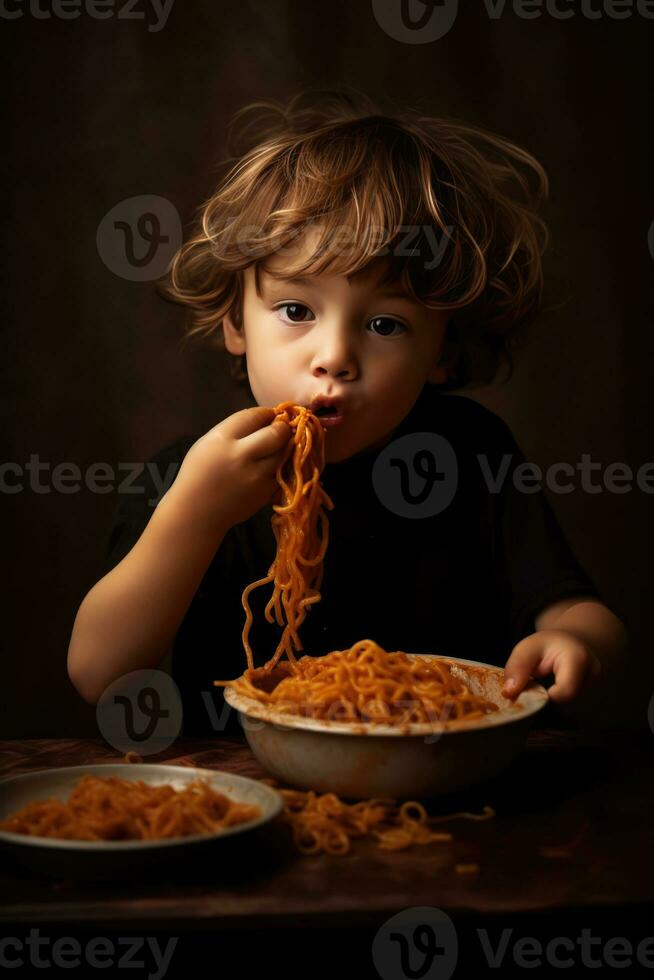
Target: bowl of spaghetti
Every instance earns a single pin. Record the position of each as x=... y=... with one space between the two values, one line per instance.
x=360 y=722
x=367 y=723
x=109 y=819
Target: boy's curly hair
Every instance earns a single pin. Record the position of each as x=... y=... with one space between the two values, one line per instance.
x=335 y=160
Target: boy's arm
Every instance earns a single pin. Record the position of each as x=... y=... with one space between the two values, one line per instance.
x=576 y=639
x=591 y=622
x=129 y=618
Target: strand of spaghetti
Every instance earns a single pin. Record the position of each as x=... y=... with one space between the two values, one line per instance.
x=248 y=617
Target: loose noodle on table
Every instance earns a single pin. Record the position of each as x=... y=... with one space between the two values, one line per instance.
x=325 y=823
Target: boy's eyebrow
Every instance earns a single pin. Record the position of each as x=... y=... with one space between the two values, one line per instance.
x=391 y=291
x=394 y=291
x=296 y=281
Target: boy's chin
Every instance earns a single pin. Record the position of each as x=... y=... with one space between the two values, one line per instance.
x=335 y=453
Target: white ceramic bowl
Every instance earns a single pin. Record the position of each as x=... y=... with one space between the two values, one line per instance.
x=367 y=760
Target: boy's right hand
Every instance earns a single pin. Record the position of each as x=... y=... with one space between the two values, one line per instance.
x=230 y=472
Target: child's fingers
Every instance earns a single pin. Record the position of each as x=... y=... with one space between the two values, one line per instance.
x=268 y=441
x=248 y=420
x=521 y=664
x=567 y=682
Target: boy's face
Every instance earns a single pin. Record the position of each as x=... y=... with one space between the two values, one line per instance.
x=349 y=339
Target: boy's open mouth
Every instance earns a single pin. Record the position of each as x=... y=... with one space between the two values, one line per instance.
x=328 y=408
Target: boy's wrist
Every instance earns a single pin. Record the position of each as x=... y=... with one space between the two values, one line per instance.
x=189 y=512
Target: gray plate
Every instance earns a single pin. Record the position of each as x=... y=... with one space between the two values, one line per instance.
x=92 y=859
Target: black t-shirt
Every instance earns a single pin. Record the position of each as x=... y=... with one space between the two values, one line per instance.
x=464 y=581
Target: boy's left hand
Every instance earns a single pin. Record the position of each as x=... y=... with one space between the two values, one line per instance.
x=572 y=662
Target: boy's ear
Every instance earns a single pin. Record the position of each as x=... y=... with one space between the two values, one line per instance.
x=233 y=334
x=440 y=371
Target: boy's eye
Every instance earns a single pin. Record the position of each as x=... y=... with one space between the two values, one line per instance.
x=386 y=323
x=294 y=310
x=383 y=324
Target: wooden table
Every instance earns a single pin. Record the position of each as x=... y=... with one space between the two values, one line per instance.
x=570 y=847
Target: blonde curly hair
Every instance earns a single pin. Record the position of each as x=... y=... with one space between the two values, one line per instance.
x=334 y=160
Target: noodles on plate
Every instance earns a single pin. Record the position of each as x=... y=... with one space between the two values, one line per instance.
x=114 y=809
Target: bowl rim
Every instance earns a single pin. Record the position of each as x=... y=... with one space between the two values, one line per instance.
x=529 y=702
x=271 y=806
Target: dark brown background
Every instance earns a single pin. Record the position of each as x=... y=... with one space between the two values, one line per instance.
x=103 y=110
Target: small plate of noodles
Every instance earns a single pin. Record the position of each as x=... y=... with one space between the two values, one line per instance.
x=104 y=819
x=363 y=721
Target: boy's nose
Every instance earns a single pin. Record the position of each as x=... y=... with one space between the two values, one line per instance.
x=335 y=354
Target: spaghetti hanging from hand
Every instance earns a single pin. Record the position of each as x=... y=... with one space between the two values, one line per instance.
x=301 y=532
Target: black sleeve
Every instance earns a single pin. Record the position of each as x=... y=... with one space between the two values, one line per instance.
x=537 y=564
x=138 y=495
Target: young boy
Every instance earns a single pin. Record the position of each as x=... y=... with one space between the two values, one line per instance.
x=377 y=262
